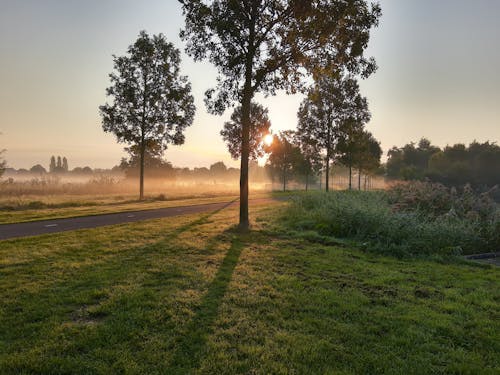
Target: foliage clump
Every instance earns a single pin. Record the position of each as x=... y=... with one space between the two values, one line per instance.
x=411 y=222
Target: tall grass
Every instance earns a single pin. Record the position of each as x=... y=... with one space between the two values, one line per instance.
x=380 y=225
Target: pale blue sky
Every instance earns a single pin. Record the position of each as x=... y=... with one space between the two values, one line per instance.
x=438 y=77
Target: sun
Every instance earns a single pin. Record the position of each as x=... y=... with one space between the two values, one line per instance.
x=268 y=139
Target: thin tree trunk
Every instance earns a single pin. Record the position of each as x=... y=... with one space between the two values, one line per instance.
x=307 y=181
x=284 y=179
x=350 y=176
x=141 y=175
x=359 y=179
x=327 y=182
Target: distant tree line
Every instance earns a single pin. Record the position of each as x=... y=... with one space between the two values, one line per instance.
x=477 y=164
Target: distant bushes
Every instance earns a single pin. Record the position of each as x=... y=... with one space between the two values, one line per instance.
x=55 y=185
x=409 y=220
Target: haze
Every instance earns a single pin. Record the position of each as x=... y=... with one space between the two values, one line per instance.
x=437 y=78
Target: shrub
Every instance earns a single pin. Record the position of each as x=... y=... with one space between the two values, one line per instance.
x=381 y=224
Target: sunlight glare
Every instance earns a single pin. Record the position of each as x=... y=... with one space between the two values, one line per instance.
x=268 y=140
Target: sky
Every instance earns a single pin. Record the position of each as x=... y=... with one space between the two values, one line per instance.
x=438 y=78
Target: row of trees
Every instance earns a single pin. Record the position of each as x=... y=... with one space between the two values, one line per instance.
x=257 y=47
x=290 y=157
x=60 y=166
x=40 y=170
x=477 y=164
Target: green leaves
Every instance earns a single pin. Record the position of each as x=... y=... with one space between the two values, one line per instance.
x=274 y=45
x=259 y=127
x=152 y=102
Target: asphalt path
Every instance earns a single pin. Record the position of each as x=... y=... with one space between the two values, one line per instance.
x=34 y=228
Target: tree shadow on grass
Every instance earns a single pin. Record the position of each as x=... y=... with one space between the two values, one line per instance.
x=89 y=275
x=189 y=350
x=200 y=221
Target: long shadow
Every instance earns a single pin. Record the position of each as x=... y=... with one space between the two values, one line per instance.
x=133 y=255
x=189 y=350
x=200 y=221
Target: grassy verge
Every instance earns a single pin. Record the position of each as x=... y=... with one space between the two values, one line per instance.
x=191 y=295
x=374 y=223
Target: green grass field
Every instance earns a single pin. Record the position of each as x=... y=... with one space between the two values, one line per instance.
x=191 y=295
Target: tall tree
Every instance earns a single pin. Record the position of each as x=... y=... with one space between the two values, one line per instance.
x=259 y=128
x=284 y=155
x=52 y=167
x=152 y=102
x=65 y=164
x=59 y=164
x=330 y=114
x=270 y=45
x=366 y=155
x=311 y=161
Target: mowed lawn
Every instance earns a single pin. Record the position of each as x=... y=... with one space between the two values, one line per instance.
x=191 y=295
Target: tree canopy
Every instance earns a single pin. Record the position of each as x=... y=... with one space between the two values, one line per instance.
x=259 y=128
x=285 y=156
x=331 y=115
x=152 y=102
x=477 y=164
x=269 y=45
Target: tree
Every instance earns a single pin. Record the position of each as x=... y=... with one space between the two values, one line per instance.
x=259 y=128
x=218 y=169
x=284 y=155
x=411 y=162
x=331 y=114
x=65 y=164
x=38 y=169
x=310 y=162
x=353 y=142
x=367 y=155
x=52 y=167
x=477 y=165
x=154 y=164
x=152 y=102
x=269 y=45
x=59 y=164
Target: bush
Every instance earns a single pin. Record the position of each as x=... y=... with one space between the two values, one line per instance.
x=383 y=225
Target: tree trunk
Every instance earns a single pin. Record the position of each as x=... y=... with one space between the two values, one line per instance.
x=327 y=181
x=248 y=92
x=350 y=176
x=284 y=179
x=359 y=179
x=245 y=153
x=307 y=181
x=141 y=175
